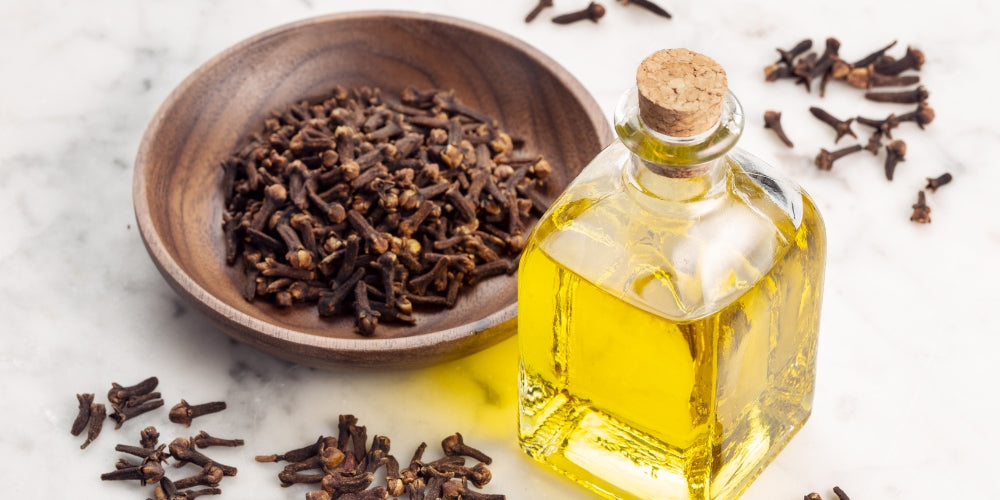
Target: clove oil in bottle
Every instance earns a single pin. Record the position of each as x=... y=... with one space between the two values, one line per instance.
x=669 y=301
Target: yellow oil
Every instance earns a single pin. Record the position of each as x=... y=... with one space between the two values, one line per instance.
x=646 y=376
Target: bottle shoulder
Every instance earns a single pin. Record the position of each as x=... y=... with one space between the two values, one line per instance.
x=682 y=260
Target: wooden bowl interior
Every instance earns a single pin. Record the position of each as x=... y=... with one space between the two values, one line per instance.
x=178 y=173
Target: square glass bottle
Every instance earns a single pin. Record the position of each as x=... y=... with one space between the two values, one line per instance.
x=669 y=301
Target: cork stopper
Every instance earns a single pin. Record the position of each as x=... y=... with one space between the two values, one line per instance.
x=680 y=92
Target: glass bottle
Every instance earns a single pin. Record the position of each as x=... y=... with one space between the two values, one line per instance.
x=669 y=301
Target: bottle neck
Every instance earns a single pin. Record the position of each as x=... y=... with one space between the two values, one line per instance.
x=677 y=168
x=679 y=184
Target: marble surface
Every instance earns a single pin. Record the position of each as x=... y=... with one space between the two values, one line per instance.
x=905 y=404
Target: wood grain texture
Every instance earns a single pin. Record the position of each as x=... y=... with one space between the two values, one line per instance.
x=178 y=197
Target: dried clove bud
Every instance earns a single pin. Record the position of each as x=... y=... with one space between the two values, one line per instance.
x=895 y=153
x=914 y=96
x=788 y=56
x=148 y=472
x=867 y=77
x=772 y=120
x=913 y=59
x=210 y=475
x=824 y=160
x=204 y=440
x=593 y=12
x=118 y=395
x=933 y=183
x=841 y=127
x=921 y=212
x=95 y=423
x=83 y=416
x=182 y=451
x=149 y=438
x=454 y=445
x=183 y=413
x=299 y=454
x=922 y=116
x=121 y=414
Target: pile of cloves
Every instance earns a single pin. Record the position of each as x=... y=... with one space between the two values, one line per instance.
x=375 y=207
x=877 y=69
x=129 y=402
x=344 y=467
x=181 y=450
x=593 y=11
x=836 y=491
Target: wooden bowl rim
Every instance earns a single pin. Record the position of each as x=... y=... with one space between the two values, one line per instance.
x=220 y=311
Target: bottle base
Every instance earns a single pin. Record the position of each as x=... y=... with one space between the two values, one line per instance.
x=615 y=460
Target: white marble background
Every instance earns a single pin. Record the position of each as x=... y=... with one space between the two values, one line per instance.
x=906 y=399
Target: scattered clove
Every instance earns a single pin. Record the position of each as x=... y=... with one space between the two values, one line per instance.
x=131 y=401
x=921 y=212
x=184 y=413
x=158 y=454
x=788 y=56
x=95 y=423
x=772 y=120
x=841 y=127
x=210 y=475
x=300 y=454
x=867 y=77
x=914 y=96
x=913 y=59
x=121 y=414
x=454 y=445
x=824 y=160
x=83 y=416
x=119 y=396
x=933 y=183
x=149 y=437
x=183 y=451
x=594 y=11
x=895 y=153
x=148 y=472
x=922 y=116
x=204 y=440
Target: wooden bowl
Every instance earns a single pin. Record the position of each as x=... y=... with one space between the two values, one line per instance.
x=177 y=186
